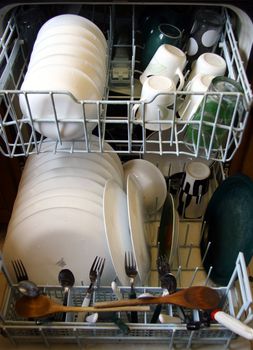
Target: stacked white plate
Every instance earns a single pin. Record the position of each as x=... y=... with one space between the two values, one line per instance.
x=69 y=56
x=57 y=220
x=71 y=207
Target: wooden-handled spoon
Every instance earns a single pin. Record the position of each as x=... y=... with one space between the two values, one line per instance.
x=201 y=297
x=42 y=305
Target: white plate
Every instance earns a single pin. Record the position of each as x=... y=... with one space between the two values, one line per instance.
x=49 y=146
x=66 y=166
x=58 y=238
x=117 y=227
x=41 y=107
x=70 y=61
x=77 y=160
x=100 y=174
x=88 y=181
x=73 y=20
x=55 y=202
x=168 y=164
x=137 y=228
x=151 y=180
x=59 y=192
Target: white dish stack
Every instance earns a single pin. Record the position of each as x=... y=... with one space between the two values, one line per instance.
x=69 y=58
x=57 y=219
x=71 y=207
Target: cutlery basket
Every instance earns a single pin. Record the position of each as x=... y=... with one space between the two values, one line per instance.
x=194 y=328
x=115 y=122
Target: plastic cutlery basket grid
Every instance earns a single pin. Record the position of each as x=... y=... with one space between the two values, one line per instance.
x=114 y=119
x=237 y=301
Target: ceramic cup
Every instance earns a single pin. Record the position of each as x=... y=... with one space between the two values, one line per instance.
x=162 y=33
x=168 y=61
x=156 y=95
x=200 y=83
x=192 y=196
x=208 y=63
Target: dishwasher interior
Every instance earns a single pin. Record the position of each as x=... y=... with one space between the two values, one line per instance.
x=115 y=124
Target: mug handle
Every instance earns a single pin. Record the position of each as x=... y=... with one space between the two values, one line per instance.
x=181 y=79
x=134 y=111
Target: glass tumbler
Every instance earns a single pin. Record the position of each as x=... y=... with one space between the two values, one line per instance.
x=218 y=112
x=205 y=33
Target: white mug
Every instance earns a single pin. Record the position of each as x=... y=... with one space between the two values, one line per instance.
x=156 y=95
x=168 y=61
x=198 y=84
x=193 y=192
x=208 y=63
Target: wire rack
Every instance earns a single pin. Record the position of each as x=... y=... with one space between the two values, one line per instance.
x=192 y=326
x=115 y=122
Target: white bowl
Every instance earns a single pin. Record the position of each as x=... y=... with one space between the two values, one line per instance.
x=96 y=74
x=151 y=180
x=98 y=62
x=41 y=106
x=55 y=238
x=73 y=20
x=63 y=38
x=73 y=30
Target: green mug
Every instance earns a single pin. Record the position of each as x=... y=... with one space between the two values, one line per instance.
x=163 y=33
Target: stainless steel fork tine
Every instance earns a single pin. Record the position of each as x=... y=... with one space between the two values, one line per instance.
x=101 y=267
x=94 y=263
x=133 y=263
x=19 y=270
x=15 y=269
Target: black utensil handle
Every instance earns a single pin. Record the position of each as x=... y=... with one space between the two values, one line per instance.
x=156 y=313
x=133 y=315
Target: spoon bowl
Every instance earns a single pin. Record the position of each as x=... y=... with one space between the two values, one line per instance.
x=28 y=288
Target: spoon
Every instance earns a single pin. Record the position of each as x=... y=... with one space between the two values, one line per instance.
x=28 y=288
x=43 y=306
x=66 y=280
x=201 y=297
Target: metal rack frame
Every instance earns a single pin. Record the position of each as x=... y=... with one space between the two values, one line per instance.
x=18 y=133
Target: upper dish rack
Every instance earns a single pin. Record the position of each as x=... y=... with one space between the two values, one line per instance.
x=115 y=122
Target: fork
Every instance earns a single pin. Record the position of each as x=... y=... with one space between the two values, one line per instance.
x=131 y=272
x=168 y=282
x=95 y=273
x=20 y=271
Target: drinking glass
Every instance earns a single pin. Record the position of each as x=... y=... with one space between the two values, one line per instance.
x=220 y=113
x=205 y=33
